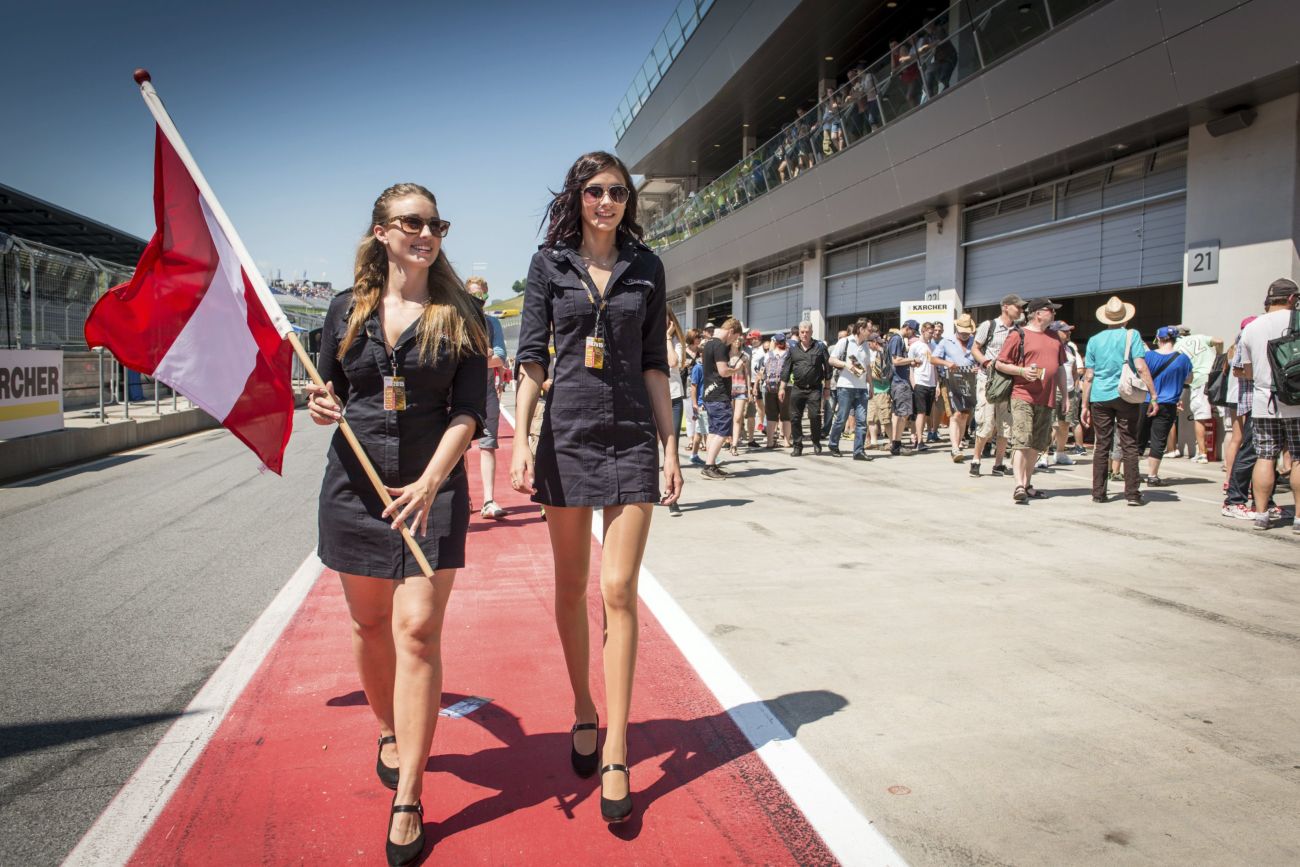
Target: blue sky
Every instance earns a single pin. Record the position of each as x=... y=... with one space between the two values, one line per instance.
x=300 y=114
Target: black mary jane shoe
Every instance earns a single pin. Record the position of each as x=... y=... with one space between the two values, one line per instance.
x=400 y=854
x=615 y=811
x=387 y=775
x=584 y=765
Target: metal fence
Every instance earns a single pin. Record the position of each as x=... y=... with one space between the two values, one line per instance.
x=47 y=293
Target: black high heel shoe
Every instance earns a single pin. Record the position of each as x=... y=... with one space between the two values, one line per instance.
x=584 y=765
x=400 y=854
x=616 y=811
x=387 y=775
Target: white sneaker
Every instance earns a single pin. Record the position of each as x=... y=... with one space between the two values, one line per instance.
x=1200 y=459
x=1238 y=511
x=1042 y=463
x=492 y=510
x=1064 y=460
x=1174 y=454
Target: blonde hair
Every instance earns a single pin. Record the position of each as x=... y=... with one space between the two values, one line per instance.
x=675 y=327
x=451 y=317
x=476 y=281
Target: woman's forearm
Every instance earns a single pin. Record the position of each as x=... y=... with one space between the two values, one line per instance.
x=455 y=440
x=527 y=390
x=656 y=386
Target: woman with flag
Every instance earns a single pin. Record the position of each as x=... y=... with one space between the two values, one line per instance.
x=404 y=359
x=600 y=291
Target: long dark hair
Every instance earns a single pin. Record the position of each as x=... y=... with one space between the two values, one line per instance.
x=563 y=218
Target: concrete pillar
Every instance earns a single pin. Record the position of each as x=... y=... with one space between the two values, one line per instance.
x=814 y=293
x=748 y=141
x=945 y=258
x=1243 y=191
x=738 y=298
x=689 y=321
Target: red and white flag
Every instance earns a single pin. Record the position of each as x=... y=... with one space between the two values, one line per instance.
x=192 y=318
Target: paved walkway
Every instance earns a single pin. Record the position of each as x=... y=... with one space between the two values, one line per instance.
x=1050 y=684
x=288 y=775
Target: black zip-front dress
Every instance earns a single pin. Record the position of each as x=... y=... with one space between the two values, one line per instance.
x=353 y=536
x=598 y=445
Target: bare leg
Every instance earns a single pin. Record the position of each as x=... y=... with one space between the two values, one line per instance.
x=570 y=530
x=626 y=530
x=419 y=605
x=957 y=427
x=370 y=605
x=1200 y=438
x=487 y=464
x=715 y=449
x=1022 y=463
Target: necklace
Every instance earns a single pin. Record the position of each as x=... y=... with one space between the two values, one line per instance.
x=592 y=260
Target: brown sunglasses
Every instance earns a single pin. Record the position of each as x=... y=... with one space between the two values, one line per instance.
x=412 y=224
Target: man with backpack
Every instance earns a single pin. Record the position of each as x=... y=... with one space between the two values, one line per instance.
x=993 y=420
x=1270 y=355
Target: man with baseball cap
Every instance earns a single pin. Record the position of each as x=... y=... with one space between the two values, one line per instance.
x=954 y=355
x=1035 y=359
x=900 y=384
x=993 y=420
x=1066 y=417
x=1277 y=424
x=878 y=409
x=1170 y=371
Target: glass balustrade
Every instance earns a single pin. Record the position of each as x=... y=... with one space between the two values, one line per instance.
x=917 y=69
x=681 y=24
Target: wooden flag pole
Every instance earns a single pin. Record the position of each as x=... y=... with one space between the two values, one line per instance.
x=263 y=291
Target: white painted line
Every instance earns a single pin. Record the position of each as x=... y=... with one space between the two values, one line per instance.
x=850 y=836
x=123 y=824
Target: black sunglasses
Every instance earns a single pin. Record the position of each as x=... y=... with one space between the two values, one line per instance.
x=413 y=224
x=617 y=194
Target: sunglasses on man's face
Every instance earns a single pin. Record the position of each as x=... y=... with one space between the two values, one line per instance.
x=412 y=224
x=617 y=193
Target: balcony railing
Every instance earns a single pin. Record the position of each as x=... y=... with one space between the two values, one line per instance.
x=917 y=69
x=681 y=24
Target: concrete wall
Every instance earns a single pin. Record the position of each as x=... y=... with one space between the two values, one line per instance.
x=1243 y=190
x=1114 y=69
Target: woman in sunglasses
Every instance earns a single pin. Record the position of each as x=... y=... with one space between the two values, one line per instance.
x=404 y=356
x=600 y=290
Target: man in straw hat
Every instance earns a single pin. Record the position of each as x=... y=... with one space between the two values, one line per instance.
x=1103 y=409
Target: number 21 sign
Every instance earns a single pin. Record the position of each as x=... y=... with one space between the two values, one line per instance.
x=1203 y=263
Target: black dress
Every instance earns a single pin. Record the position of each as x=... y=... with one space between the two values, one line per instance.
x=353 y=536
x=598 y=444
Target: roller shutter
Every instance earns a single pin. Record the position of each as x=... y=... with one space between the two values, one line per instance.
x=1118 y=227
x=773 y=297
x=876 y=274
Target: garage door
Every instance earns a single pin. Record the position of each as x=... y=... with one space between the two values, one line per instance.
x=773 y=297
x=877 y=273
x=1118 y=227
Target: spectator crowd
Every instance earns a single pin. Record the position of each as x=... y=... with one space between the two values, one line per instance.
x=1015 y=391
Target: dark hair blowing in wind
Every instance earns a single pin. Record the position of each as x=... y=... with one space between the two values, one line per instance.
x=563 y=218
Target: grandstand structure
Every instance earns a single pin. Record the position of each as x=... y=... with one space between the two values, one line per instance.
x=829 y=159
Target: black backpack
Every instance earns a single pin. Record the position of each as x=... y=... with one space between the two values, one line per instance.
x=1284 y=361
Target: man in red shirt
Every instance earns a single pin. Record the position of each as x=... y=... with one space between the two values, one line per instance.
x=1035 y=359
